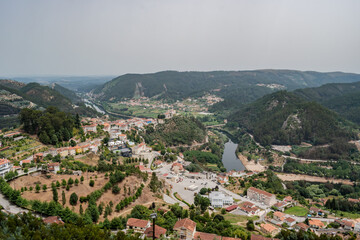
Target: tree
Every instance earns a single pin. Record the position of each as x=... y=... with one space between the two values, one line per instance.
x=203 y=191
x=63 y=199
x=76 y=182
x=63 y=183
x=250 y=225
x=223 y=211
x=81 y=211
x=91 y=183
x=82 y=179
x=44 y=187
x=115 y=189
x=55 y=194
x=70 y=181
x=37 y=188
x=73 y=199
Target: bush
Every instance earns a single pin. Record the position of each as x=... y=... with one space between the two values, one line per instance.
x=91 y=183
x=115 y=189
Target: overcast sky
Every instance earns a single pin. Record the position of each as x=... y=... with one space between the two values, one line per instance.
x=113 y=37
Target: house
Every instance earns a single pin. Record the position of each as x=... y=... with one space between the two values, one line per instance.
x=159 y=231
x=158 y=163
x=177 y=167
x=279 y=216
x=206 y=236
x=26 y=161
x=315 y=223
x=138 y=225
x=357 y=227
x=288 y=199
x=224 y=179
x=232 y=208
x=269 y=229
x=280 y=205
x=290 y=221
x=5 y=167
x=347 y=224
x=316 y=211
x=52 y=220
x=63 y=152
x=249 y=208
x=54 y=167
x=218 y=199
x=185 y=228
x=72 y=151
x=139 y=148
x=89 y=128
x=301 y=226
x=261 y=196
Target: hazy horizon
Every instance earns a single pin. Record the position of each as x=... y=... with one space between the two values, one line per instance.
x=111 y=38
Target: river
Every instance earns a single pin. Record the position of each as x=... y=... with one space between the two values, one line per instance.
x=92 y=105
x=229 y=158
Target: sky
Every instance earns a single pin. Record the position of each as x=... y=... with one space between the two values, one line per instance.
x=114 y=37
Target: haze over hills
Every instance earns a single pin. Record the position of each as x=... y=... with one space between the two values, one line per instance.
x=239 y=86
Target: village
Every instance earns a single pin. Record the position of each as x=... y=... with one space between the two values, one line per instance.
x=269 y=213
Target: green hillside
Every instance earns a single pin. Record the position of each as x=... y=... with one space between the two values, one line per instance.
x=66 y=93
x=284 y=118
x=343 y=98
x=176 y=131
x=239 y=86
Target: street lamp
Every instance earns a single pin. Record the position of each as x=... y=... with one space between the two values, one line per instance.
x=153 y=216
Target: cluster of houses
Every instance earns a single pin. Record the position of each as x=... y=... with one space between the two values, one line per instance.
x=183 y=229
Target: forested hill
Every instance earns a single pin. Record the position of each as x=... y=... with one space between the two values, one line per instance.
x=284 y=118
x=66 y=92
x=242 y=86
x=36 y=96
x=176 y=131
x=343 y=98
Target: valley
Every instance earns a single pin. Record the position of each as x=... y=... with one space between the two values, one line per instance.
x=179 y=150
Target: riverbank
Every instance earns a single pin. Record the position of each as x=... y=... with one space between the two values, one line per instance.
x=251 y=165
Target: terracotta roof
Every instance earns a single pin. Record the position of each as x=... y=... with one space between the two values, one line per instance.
x=268 y=227
x=158 y=231
x=302 y=226
x=248 y=204
x=279 y=214
x=289 y=219
x=185 y=223
x=230 y=238
x=316 y=222
x=206 y=236
x=134 y=222
x=4 y=161
x=260 y=191
x=288 y=198
x=259 y=237
x=53 y=164
x=348 y=223
x=53 y=219
x=232 y=207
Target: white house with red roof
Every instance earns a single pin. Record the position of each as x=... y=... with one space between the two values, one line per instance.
x=89 y=128
x=138 y=225
x=5 y=167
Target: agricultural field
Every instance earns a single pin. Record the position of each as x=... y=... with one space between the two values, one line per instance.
x=21 y=149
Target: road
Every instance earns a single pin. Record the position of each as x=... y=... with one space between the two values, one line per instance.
x=8 y=206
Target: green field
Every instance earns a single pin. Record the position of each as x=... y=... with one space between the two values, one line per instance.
x=297 y=211
x=347 y=215
x=232 y=218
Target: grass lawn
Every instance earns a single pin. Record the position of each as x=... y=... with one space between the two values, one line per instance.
x=297 y=211
x=213 y=167
x=347 y=215
x=232 y=218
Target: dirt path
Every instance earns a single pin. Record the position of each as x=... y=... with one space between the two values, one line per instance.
x=308 y=178
x=251 y=165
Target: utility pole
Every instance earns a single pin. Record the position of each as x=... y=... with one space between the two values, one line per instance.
x=153 y=216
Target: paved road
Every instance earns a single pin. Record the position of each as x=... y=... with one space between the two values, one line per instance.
x=8 y=206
